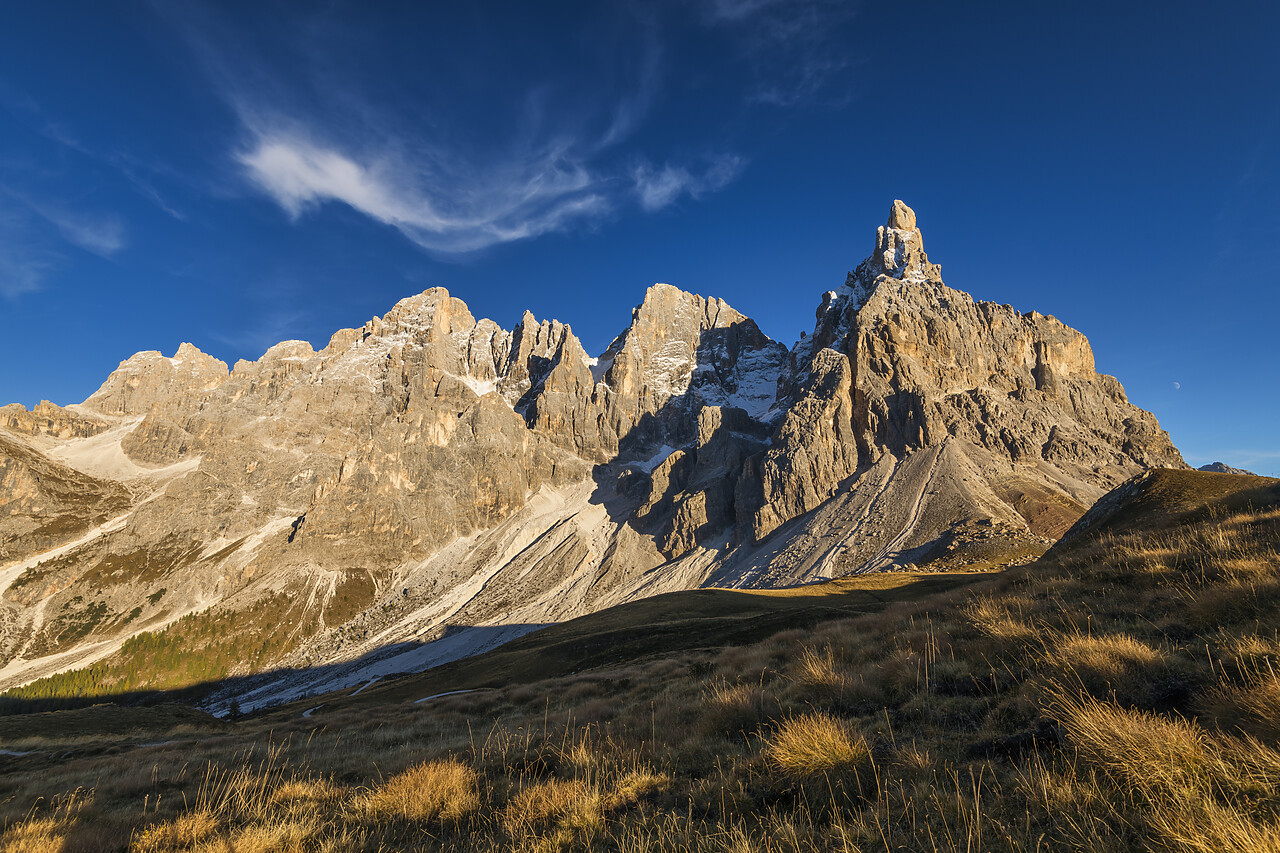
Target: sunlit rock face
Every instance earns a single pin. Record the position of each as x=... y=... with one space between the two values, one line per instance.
x=428 y=474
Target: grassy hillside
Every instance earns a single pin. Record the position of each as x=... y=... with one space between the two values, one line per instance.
x=1119 y=694
x=656 y=628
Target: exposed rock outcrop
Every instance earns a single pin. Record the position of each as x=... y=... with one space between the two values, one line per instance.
x=1224 y=468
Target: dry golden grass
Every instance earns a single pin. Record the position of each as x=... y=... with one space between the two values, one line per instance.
x=38 y=835
x=737 y=709
x=321 y=792
x=1203 y=791
x=818 y=744
x=182 y=833
x=1121 y=695
x=279 y=836
x=995 y=619
x=445 y=790
x=637 y=785
x=539 y=806
x=1253 y=707
x=824 y=675
x=1169 y=756
x=1115 y=666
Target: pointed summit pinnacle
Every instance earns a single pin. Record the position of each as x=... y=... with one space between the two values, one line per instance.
x=899 y=253
x=902 y=217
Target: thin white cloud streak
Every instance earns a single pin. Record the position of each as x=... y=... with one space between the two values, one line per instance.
x=793 y=45
x=128 y=166
x=26 y=255
x=24 y=266
x=658 y=188
x=556 y=172
x=518 y=199
x=737 y=10
x=102 y=235
x=19 y=275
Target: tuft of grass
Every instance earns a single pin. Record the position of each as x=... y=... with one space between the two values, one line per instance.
x=38 y=835
x=637 y=785
x=824 y=674
x=183 y=832
x=1117 y=666
x=1166 y=755
x=444 y=790
x=1253 y=707
x=570 y=804
x=817 y=745
x=737 y=710
x=1202 y=791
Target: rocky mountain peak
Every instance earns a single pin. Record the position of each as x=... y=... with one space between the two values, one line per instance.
x=899 y=253
x=148 y=378
x=666 y=304
x=901 y=217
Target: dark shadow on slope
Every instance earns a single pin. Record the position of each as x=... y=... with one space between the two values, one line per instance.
x=687 y=620
x=616 y=637
x=264 y=689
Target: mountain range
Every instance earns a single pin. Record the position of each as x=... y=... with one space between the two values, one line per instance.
x=430 y=485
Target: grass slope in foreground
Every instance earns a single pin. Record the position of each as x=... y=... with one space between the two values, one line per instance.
x=1120 y=694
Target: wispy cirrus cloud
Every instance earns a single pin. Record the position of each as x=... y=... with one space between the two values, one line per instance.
x=136 y=171
x=658 y=188
x=534 y=153
x=467 y=210
x=24 y=261
x=102 y=234
x=21 y=270
x=28 y=245
x=489 y=148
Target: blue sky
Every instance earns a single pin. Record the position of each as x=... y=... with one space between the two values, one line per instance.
x=235 y=174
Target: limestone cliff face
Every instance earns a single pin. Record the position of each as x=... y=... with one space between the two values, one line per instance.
x=899 y=362
x=431 y=475
x=44 y=503
x=681 y=353
x=148 y=379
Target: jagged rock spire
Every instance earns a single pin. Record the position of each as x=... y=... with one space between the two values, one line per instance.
x=901 y=217
x=899 y=253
